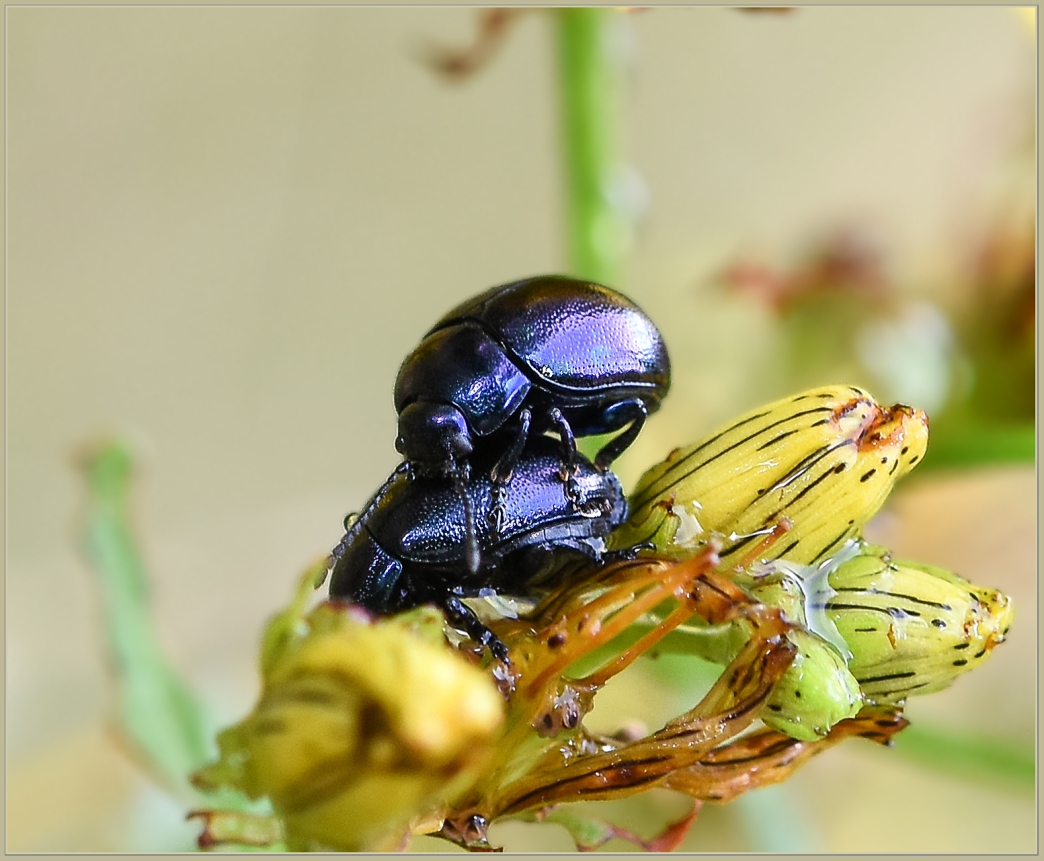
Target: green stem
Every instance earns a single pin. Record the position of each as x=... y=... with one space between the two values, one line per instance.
x=968 y=756
x=962 y=441
x=599 y=231
x=160 y=717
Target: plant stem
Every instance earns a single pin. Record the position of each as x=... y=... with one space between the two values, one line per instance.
x=599 y=231
x=969 y=756
x=160 y=717
x=962 y=441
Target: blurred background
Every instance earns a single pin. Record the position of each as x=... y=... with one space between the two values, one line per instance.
x=227 y=226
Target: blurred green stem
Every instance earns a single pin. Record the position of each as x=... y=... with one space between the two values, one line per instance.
x=160 y=717
x=968 y=756
x=599 y=231
x=962 y=440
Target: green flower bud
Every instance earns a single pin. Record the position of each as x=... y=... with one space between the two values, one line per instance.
x=910 y=628
x=816 y=692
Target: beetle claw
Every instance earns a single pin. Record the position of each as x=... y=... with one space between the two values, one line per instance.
x=497 y=648
x=627 y=554
x=572 y=492
x=497 y=510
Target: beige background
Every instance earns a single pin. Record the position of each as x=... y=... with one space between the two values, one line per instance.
x=226 y=226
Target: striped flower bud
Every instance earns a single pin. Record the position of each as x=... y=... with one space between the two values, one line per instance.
x=910 y=628
x=825 y=459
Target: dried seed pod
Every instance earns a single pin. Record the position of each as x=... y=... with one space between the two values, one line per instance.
x=825 y=459
x=911 y=628
x=763 y=757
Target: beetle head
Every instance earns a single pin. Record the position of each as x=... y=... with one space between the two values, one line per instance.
x=433 y=435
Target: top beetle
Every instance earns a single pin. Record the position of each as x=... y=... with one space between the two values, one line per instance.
x=557 y=353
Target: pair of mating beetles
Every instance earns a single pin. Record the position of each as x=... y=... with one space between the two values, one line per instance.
x=486 y=500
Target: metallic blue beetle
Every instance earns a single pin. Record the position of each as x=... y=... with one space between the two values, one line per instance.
x=409 y=546
x=544 y=353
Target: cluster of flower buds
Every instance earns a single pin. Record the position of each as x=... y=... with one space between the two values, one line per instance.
x=870 y=630
x=371 y=730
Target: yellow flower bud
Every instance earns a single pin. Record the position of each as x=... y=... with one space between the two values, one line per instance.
x=360 y=727
x=825 y=459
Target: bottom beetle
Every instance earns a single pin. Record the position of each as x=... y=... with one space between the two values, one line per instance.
x=409 y=546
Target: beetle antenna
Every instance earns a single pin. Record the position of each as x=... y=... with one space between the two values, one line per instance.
x=352 y=527
x=472 y=557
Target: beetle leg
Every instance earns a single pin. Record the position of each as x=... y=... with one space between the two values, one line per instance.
x=501 y=473
x=570 y=458
x=461 y=615
x=626 y=554
x=633 y=411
